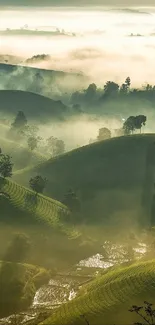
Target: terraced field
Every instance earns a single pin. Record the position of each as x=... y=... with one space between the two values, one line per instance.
x=42 y=209
x=106 y=299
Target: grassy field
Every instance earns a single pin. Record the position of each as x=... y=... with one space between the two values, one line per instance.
x=107 y=299
x=108 y=177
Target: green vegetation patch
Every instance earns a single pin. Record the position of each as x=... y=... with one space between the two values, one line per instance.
x=41 y=208
x=19 y=283
x=107 y=295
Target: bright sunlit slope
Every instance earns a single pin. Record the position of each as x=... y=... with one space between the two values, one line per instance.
x=107 y=176
x=106 y=300
x=33 y=105
x=39 y=208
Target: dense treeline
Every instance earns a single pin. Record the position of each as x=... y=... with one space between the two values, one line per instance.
x=113 y=98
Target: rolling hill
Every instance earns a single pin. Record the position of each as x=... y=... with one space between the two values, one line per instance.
x=107 y=299
x=21 y=155
x=26 y=71
x=55 y=243
x=34 y=106
x=41 y=208
x=29 y=78
x=111 y=178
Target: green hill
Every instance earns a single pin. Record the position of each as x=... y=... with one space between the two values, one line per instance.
x=34 y=106
x=106 y=300
x=41 y=208
x=27 y=277
x=55 y=244
x=109 y=177
x=21 y=155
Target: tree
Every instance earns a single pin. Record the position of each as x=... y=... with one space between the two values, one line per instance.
x=38 y=183
x=133 y=123
x=90 y=92
x=72 y=201
x=128 y=82
x=56 y=146
x=20 y=121
x=111 y=88
x=18 y=249
x=5 y=166
x=30 y=130
x=32 y=143
x=140 y=120
x=59 y=148
x=146 y=313
x=129 y=125
x=104 y=133
x=125 y=86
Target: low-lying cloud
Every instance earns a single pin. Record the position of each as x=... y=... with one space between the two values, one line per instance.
x=100 y=48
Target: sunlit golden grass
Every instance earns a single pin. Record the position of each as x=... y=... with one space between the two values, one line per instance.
x=103 y=300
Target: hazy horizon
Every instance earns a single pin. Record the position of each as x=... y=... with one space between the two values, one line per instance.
x=96 y=43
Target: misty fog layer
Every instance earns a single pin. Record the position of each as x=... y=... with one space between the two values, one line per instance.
x=103 y=44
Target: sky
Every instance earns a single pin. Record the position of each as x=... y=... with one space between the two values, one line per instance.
x=127 y=3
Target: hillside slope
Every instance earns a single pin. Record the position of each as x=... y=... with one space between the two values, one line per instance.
x=55 y=243
x=31 y=278
x=26 y=77
x=21 y=155
x=41 y=208
x=33 y=105
x=106 y=300
x=108 y=176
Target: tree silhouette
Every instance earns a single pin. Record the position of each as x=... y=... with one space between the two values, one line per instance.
x=38 y=183
x=104 y=133
x=140 y=120
x=146 y=313
x=133 y=123
x=129 y=125
x=20 y=121
x=111 y=88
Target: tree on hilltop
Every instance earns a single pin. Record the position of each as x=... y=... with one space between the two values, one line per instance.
x=111 y=88
x=134 y=122
x=104 y=133
x=125 y=86
x=140 y=121
x=129 y=125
